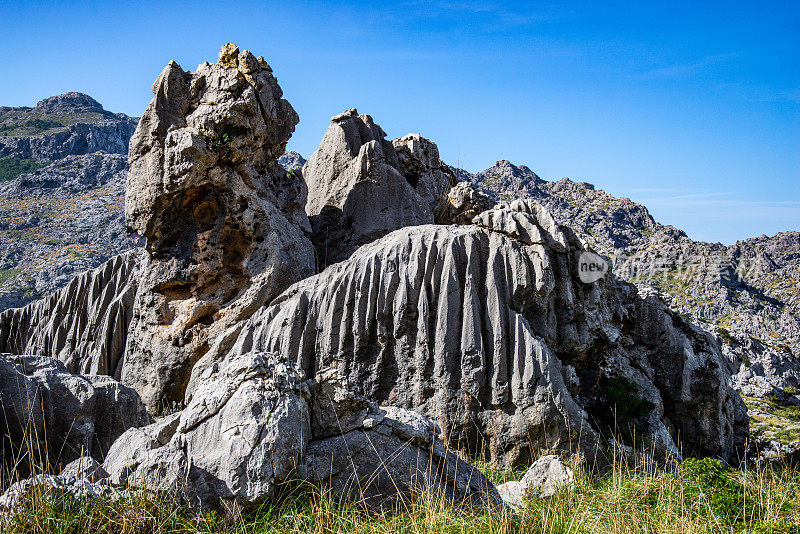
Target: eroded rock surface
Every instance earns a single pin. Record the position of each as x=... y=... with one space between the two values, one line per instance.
x=487 y=330
x=255 y=422
x=361 y=186
x=544 y=478
x=51 y=417
x=747 y=295
x=85 y=324
x=224 y=222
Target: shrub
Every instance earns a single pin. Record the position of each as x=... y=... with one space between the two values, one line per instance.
x=618 y=407
x=10 y=167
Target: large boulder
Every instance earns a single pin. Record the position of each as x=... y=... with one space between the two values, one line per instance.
x=488 y=330
x=255 y=423
x=51 y=417
x=360 y=188
x=224 y=222
x=463 y=203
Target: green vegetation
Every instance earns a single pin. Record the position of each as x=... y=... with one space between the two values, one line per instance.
x=10 y=167
x=774 y=419
x=31 y=126
x=702 y=497
x=725 y=334
x=34 y=125
x=225 y=136
x=8 y=274
x=23 y=123
x=618 y=407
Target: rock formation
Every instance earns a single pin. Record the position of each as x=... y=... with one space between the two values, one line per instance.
x=361 y=189
x=224 y=226
x=746 y=295
x=63 y=217
x=39 y=252
x=292 y=160
x=482 y=328
x=255 y=423
x=224 y=223
x=486 y=329
x=420 y=164
x=85 y=324
x=544 y=478
x=63 y=125
x=51 y=417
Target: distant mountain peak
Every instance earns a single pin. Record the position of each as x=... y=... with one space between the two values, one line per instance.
x=69 y=104
x=520 y=171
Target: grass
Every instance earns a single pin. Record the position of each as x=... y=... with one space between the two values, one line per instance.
x=23 y=123
x=702 y=497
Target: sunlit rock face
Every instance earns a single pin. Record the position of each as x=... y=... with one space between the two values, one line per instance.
x=224 y=222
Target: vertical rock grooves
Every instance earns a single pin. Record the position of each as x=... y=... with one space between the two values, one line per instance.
x=467 y=325
x=84 y=324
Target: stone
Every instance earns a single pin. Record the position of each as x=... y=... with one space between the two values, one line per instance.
x=464 y=203
x=544 y=478
x=224 y=222
x=357 y=189
x=420 y=164
x=60 y=490
x=85 y=324
x=292 y=161
x=86 y=468
x=52 y=417
x=745 y=294
x=254 y=423
x=229 y=56
x=488 y=330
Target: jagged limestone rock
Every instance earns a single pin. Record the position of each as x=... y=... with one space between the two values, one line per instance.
x=224 y=222
x=464 y=203
x=256 y=422
x=85 y=324
x=746 y=294
x=360 y=188
x=544 y=478
x=51 y=417
x=488 y=330
x=74 y=124
x=420 y=164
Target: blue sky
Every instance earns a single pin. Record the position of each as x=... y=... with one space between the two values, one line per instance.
x=693 y=110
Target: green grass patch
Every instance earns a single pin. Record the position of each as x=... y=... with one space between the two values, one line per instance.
x=8 y=274
x=704 y=496
x=10 y=167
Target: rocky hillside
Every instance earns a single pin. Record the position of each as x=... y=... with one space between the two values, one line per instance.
x=60 y=126
x=368 y=299
x=746 y=294
x=64 y=166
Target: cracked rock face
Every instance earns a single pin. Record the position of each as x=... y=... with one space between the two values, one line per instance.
x=255 y=422
x=361 y=186
x=51 y=417
x=224 y=222
x=486 y=329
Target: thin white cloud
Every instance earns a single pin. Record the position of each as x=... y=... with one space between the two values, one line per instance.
x=684 y=69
